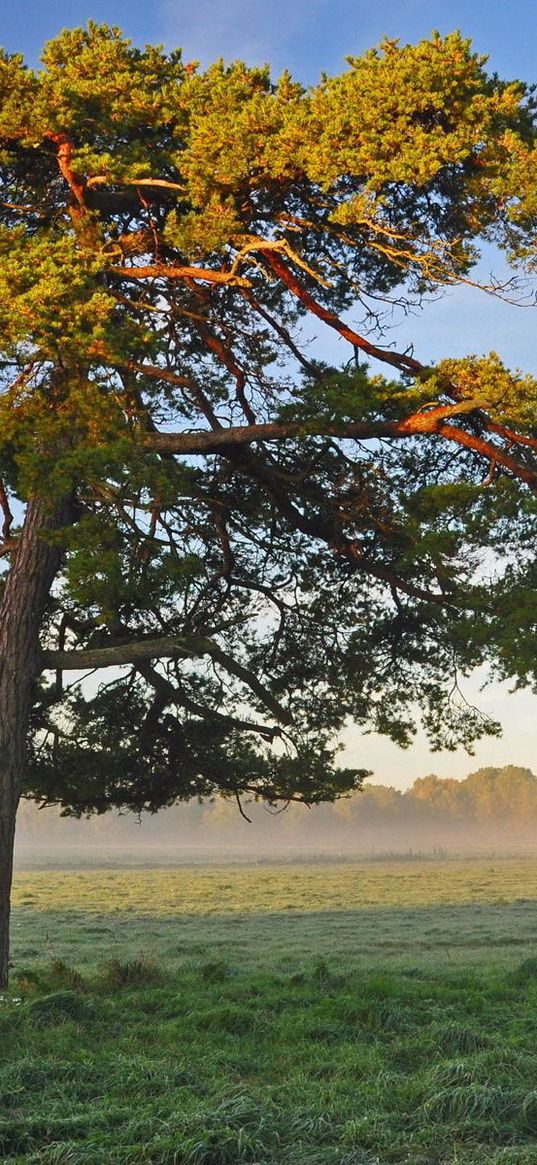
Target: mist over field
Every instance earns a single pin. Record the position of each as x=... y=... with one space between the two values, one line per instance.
x=493 y=809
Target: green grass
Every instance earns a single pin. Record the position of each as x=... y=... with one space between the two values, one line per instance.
x=392 y=1021
x=399 y=914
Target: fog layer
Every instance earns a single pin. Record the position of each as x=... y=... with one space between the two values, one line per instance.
x=492 y=809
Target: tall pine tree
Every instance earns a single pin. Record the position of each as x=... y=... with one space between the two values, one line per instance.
x=249 y=547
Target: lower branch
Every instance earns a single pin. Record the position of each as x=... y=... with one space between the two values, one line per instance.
x=163 y=647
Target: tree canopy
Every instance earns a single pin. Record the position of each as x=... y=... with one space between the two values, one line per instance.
x=261 y=545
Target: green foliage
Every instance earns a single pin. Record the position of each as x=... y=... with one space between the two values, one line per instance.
x=526 y=972
x=401 y=114
x=510 y=396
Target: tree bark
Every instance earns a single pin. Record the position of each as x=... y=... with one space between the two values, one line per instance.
x=36 y=562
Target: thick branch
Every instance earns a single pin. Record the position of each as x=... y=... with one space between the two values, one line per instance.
x=161 y=271
x=158 y=183
x=236 y=435
x=8 y=516
x=163 y=647
x=66 y=149
x=430 y=421
x=398 y=359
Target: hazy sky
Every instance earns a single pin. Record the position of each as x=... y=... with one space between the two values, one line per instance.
x=309 y=36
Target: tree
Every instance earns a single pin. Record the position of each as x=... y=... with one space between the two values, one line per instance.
x=259 y=546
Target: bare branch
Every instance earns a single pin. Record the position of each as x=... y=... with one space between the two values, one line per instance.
x=159 y=183
x=241 y=810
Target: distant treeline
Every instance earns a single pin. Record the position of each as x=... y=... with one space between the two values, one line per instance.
x=493 y=806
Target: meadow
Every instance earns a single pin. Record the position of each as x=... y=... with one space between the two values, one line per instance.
x=338 y=1014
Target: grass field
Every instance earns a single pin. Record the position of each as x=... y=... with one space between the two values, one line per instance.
x=293 y=1015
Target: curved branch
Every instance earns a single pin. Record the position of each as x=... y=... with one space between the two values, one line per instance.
x=173 y=695
x=159 y=183
x=76 y=183
x=8 y=516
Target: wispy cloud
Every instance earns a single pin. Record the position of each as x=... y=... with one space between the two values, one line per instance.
x=309 y=36
x=254 y=30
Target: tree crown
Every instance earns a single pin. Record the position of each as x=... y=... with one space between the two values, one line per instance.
x=265 y=545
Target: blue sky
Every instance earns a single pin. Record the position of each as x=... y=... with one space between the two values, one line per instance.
x=308 y=37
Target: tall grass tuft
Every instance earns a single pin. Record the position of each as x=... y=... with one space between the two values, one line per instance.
x=115 y=974
x=59 y=1007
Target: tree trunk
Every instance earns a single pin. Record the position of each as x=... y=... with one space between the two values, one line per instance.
x=36 y=562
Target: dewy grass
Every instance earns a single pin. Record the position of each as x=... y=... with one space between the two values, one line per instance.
x=401 y=1035
x=401 y=915
x=217 y=1070
x=203 y=891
